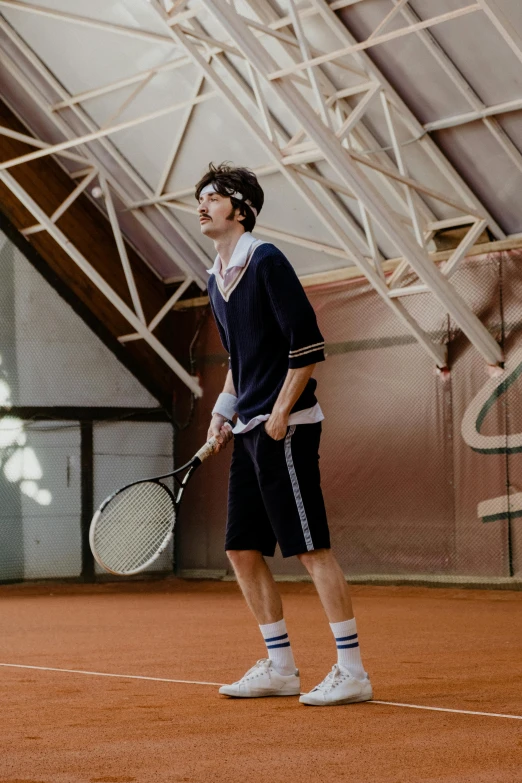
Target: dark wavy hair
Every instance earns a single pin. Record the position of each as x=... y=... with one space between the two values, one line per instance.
x=229 y=179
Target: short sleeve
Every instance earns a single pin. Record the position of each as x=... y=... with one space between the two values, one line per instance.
x=293 y=311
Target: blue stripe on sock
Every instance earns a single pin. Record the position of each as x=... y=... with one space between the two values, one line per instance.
x=347 y=646
x=346 y=638
x=276 y=638
x=273 y=646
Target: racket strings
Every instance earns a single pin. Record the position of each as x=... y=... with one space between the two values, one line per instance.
x=130 y=536
x=133 y=526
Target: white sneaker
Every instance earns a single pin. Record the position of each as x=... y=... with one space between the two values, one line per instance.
x=339 y=687
x=263 y=680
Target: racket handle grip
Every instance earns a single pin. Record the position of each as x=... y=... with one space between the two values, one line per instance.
x=207 y=450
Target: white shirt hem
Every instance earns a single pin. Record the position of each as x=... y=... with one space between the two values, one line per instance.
x=311 y=415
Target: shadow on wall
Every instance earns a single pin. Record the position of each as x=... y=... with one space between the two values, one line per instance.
x=18 y=462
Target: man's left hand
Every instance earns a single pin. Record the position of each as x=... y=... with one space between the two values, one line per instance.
x=276 y=426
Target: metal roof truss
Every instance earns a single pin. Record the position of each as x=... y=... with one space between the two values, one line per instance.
x=308 y=110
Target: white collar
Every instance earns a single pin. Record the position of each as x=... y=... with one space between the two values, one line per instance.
x=239 y=256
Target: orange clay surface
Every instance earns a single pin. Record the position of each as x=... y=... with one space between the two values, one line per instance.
x=458 y=649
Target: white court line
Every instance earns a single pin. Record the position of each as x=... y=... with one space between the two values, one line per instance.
x=199 y=682
x=106 y=674
x=446 y=709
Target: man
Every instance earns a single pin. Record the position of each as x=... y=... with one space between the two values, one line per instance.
x=270 y=332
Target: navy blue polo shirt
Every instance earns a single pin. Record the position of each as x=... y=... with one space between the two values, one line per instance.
x=267 y=326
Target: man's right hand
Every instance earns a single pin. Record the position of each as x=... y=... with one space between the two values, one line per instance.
x=221 y=430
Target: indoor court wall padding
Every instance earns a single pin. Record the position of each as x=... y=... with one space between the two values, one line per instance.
x=410 y=493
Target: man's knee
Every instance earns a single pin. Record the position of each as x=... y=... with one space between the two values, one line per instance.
x=244 y=559
x=315 y=558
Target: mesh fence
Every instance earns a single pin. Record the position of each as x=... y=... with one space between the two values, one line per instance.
x=40 y=500
x=49 y=362
x=42 y=495
x=129 y=451
x=421 y=471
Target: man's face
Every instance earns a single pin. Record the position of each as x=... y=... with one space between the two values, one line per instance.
x=217 y=216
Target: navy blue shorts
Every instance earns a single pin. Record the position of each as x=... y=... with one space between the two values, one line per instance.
x=275 y=493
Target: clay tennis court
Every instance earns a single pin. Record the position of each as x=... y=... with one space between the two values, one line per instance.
x=455 y=652
x=166 y=166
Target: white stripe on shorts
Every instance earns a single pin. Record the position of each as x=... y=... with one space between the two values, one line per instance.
x=297 y=492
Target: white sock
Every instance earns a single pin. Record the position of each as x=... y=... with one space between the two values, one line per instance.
x=348 y=652
x=278 y=647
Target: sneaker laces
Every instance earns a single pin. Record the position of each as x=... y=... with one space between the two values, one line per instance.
x=262 y=666
x=332 y=679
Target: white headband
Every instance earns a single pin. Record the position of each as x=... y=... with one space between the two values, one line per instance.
x=233 y=194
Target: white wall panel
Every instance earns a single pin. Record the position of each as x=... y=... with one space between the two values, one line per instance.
x=60 y=361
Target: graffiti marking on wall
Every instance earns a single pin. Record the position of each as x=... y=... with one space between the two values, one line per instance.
x=505 y=506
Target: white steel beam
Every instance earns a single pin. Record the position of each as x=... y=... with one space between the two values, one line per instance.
x=305 y=52
x=360 y=134
x=169 y=304
x=177 y=6
x=119 y=84
x=451 y=265
x=272 y=127
x=27 y=84
x=284 y=21
x=356 y=115
x=84 y=21
x=179 y=135
x=209 y=40
x=354 y=178
x=380 y=39
x=438 y=352
x=503 y=25
x=102 y=285
x=402 y=168
x=387 y=19
x=124 y=105
x=473 y=116
x=270 y=20
x=54 y=149
x=448 y=268
x=64 y=205
x=316 y=155
x=261 y=104
x=481 y=112
x=268 y=16
x=412 y=124
x=122 y=250
x=262 y=29
x=340 y=188
x=38 y=143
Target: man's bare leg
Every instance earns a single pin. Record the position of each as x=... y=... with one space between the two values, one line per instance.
x=277 y=675
x=348 y=681
x=330 y=584
x=257 y=585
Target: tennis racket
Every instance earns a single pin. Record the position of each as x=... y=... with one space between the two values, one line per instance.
x=134 y=525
